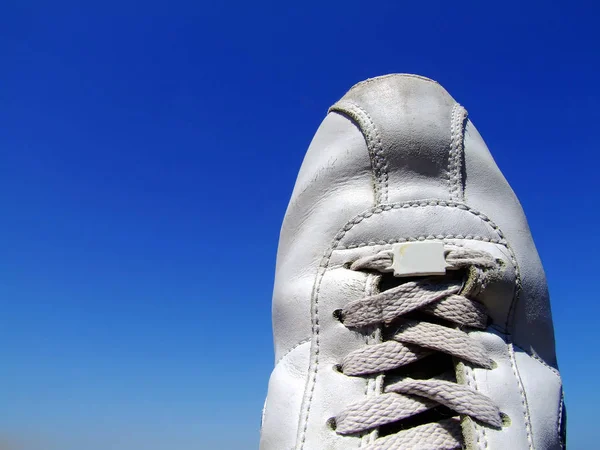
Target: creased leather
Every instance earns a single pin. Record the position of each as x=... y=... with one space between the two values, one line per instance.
x=282 y=408
x=543 y=388
x=411 y=119
x=487 y=190
x=334 y=184
x=501 y=385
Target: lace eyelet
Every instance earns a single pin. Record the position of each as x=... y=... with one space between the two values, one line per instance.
x=347 y=265
x=337 y=368
x=338 y=315
x=332 y=423
x=505 y=420
x=494 y=365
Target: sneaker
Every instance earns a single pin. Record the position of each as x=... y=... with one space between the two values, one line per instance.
x=410 y=308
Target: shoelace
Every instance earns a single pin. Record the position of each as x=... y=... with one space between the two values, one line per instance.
x=412 y=341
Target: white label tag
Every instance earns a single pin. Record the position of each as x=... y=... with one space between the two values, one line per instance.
x=419 y=258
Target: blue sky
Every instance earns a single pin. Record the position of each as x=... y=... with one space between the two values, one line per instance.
x=148 y=153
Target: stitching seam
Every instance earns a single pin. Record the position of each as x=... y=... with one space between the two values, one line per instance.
x=424 y=238
x=374 y=145
x=455 y=157
x=369 y=281
x=560 y=419
x=419 y=204
x=303 y=341
x=374 y=383
x=518 y=288
x=314 y=363
x=479 y=431
x=545 y=364
x=513 y=364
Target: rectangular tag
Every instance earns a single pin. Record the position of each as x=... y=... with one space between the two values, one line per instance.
x=418 y=258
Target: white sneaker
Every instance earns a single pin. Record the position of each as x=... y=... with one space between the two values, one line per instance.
x=410 y=308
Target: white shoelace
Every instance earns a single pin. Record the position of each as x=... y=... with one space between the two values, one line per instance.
x=412 y=341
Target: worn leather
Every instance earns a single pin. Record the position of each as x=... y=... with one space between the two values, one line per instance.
x=487 y=190
x=286 y=388
x=397 y=159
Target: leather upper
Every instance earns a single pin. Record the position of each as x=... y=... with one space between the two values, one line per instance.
x=398 y=159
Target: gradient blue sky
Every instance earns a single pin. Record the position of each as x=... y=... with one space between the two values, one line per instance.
x=148 y=151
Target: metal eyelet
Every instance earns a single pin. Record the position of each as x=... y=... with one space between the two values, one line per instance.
x=338 y=315
x=332 y=423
